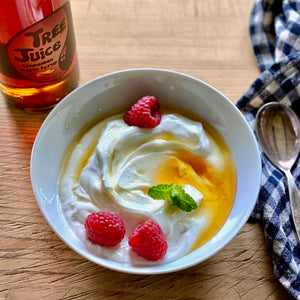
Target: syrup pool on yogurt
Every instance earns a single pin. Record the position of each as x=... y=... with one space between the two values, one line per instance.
x=110 y=166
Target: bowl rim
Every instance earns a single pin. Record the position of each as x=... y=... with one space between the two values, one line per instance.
x=160 y=268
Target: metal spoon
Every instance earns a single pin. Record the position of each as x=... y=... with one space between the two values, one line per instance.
x=277 y=130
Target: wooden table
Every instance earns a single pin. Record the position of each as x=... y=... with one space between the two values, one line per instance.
x=206 y=39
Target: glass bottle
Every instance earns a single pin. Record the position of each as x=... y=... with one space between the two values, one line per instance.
x=38 y=60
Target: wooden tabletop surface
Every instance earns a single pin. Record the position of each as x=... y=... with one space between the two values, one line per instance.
x=206 y=39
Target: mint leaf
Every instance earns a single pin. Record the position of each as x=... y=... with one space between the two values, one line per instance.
x=174 y=198
x=183 y=200
x=161 y=191
x=175 y=194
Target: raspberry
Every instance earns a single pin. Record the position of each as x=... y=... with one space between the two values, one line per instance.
x=104 y=229
x=144 y=113
x=147 y=241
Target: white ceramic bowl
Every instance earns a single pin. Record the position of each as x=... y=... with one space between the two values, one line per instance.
x=121 y=89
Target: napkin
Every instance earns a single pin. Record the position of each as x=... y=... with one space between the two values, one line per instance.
x=275 y=31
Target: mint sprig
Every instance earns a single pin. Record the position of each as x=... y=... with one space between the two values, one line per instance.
x=175 y=194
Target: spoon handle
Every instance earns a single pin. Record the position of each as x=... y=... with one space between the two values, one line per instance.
x=294 y=201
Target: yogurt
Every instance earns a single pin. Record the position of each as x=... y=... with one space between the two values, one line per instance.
x=112 y=165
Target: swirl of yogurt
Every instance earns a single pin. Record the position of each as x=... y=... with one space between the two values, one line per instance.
x=118 y=174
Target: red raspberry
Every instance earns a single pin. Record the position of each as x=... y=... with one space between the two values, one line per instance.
x=144 y=113
x=147 y=241
x=104 y=229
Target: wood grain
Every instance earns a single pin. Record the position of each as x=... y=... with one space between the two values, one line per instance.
x=206 y=39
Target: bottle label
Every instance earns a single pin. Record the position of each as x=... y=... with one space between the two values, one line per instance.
x=44 y=51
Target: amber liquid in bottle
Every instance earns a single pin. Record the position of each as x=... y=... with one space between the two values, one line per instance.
x=38 y=60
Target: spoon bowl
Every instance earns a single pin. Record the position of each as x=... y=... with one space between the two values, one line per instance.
x=278 y=130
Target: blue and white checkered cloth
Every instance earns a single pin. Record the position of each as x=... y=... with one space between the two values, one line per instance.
x=275 y=34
